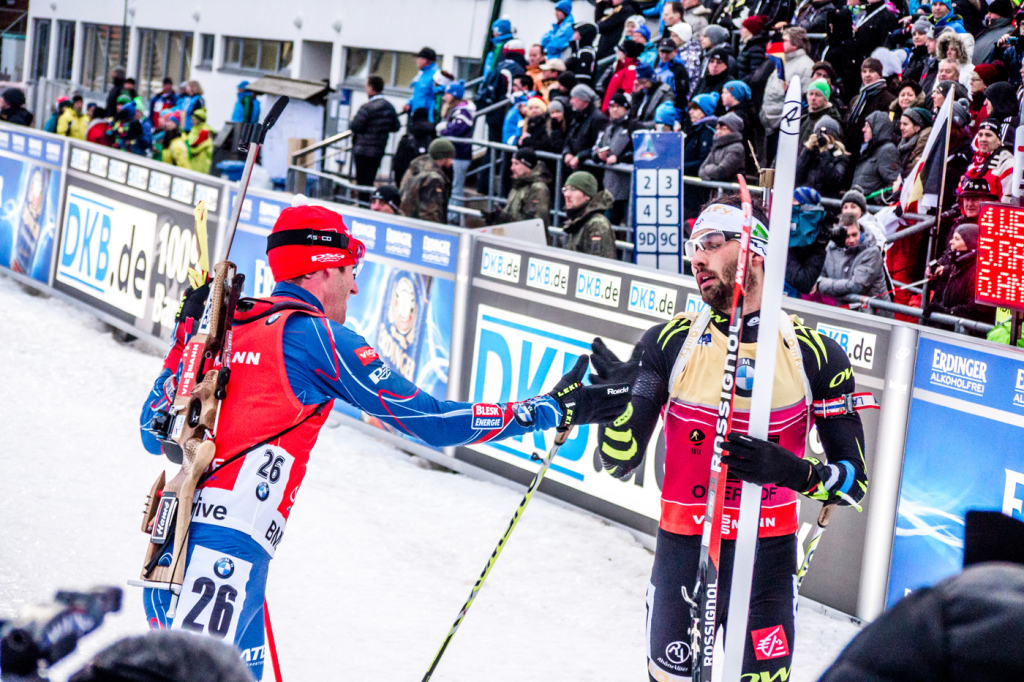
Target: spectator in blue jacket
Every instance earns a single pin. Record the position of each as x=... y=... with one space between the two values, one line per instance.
x=557 y=40
x=501 y=33
x=511 y=129
x=943 y=17
x=192 y=100
x=423 y=83
x=247 y=107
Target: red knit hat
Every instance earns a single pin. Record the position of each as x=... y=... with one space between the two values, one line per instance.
x=989 y=73
x=306 y=239
x=755 y=24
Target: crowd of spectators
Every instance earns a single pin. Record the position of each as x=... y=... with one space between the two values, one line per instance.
x=874 y=73
x=171 y=127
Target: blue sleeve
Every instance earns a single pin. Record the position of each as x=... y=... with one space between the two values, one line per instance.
x=561 y=36
x=156 y=400
x=656 y=10
x=326 y=360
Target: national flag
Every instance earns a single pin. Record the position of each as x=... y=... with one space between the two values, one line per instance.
x=921 y=188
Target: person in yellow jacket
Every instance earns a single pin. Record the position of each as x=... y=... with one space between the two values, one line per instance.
x=174 y=147
x=72 y=122
x=200 y=142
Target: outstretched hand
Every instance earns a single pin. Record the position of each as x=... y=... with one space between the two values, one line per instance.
x=594 y=404
x=609 y=369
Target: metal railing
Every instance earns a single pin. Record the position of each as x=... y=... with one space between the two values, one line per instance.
x=959 y=324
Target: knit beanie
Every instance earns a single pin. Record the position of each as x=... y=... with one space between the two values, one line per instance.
x=988 y=73
x=706 y=102
x=1001 y=8
x=644 y=31
x=306 y=239
x=755 y=24
x=739 y=90
x=565 y=7
x=584 y=182
x=631 y=48
x=732 y=122
x=821 y=86
x=537 y=101
x=922 y=25
x=644 y=71
x=389 y=195
x=567 y=80
x=683 y=30
x=969 y=233
x=806 y=195
x=441 y=149
x=583 y=92
x=855 y=196
x=716 y=34
x=556 y=106
x=830 y=125
x=526 y=156
x=873 y=64
x=456 y=89
x=921 y=117
x=665 y=114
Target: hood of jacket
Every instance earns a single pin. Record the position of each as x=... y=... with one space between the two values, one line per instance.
x=881 y=126
x=1003 y=97
x=599 y=203
x=726 y=140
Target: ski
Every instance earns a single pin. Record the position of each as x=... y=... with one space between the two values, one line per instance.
x=823 y=518
x=781 y=211
x=704 y=598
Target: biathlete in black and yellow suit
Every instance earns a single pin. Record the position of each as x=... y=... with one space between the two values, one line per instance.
x=680 y=377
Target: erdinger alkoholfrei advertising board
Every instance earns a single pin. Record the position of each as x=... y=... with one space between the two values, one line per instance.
x=30 y=174
x=406 y=288
x=534 y=310
x=965 y=450
x=128 y=235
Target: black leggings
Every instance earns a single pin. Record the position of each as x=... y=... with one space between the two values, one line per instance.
x=772 y=605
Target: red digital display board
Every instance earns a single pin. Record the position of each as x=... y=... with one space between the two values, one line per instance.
x=1001 y=256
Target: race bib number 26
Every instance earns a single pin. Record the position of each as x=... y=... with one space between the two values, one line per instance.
x=212 y=594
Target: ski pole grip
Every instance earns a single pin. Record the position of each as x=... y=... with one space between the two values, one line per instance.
x=825 y=515
x=275 y=113
x=562 y=436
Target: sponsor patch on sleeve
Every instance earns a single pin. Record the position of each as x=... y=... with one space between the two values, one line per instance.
x=487 y=416
x=366 y=355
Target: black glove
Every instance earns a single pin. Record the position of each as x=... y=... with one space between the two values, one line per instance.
x=193 y=304
x=588 y=404
x=608 y=369
x=763 y=462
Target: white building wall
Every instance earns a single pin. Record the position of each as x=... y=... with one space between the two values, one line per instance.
x=454 y=28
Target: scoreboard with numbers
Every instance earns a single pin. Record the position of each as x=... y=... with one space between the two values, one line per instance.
x=658 y=200
x=1000 y=279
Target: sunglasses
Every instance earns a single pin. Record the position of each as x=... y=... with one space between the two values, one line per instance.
x=709 y=241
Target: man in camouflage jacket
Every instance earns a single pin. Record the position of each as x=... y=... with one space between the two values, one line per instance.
x=530 y=197
x=587 y=229
x=426 y=187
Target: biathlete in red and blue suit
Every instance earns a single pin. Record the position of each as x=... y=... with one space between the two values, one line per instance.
x=292 y=357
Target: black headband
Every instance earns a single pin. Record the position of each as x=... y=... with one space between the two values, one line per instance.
x=334 y=240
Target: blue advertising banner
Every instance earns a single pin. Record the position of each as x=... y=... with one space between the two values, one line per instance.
x=963 y=452
x=29 y=199
x=658 y=200
x=406 y=296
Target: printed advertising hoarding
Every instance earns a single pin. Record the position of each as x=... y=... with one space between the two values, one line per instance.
x=128 y=236
x=29 y=200
x=533 y=311
x=963 y=452
x=406 y=288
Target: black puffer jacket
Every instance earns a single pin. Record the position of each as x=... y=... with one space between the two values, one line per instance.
x=584 y=127
x=15 y=113
x=968 y=627
x=752 y=55
x=372 y=125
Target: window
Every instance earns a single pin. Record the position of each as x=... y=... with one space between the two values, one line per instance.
x=102 y=51
x=162 y=54
x=468 y=68
x=396 y=68
x=65 y=50
x=41 y=49
x=252 y=54
x=206 y=51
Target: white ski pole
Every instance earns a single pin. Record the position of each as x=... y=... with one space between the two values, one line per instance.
x=764 y=376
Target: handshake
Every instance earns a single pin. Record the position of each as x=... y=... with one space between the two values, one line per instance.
x=605 y=398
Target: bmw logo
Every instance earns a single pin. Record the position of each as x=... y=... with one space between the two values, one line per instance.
x=745 y=377
x=224 y=567
x=262 y=491
x=272 y=319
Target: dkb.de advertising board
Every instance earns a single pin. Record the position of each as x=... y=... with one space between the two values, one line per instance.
x=128 y=235
x=406 y=288
x=30 y=176
x=964 y=451
x=533 y=311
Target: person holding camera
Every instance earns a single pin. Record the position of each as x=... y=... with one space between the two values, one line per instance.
x=953 y=279
x=853 y=263
x=824 y=160
x=819 y=105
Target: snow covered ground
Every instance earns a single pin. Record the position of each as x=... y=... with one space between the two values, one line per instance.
x=380 y=553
